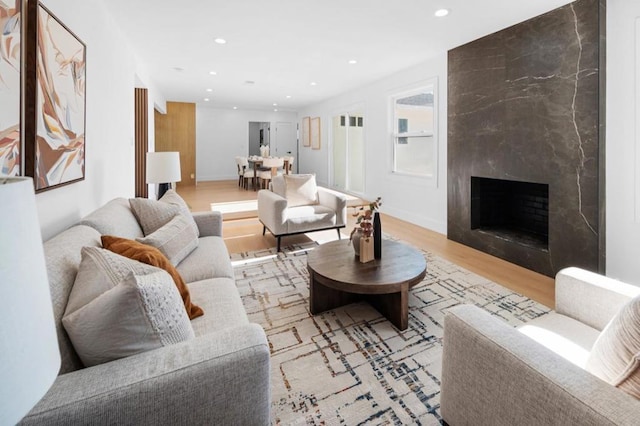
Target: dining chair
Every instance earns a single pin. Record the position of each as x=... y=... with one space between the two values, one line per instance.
x=240 y=171
x=248 y=173
x=270 y=167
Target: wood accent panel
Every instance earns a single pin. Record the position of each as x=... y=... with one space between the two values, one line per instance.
x=176 y=131
x=142 y=141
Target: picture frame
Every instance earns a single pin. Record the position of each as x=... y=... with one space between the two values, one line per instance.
x=306 y=140
x=314 y=133
x=11 y=93
x=55 y=112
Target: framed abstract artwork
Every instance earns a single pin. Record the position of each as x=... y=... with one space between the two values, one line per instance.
x=10 y=87
x=315 y=133
x=306 y=141
x=55 y=141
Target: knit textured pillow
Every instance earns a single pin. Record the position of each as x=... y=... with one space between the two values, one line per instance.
x=139 y=313
x=152 y=256
x=615 y=356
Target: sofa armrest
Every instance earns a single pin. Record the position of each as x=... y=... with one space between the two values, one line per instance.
x=591 y=298
x=272 y=211
x=209 y=223
x=336 y=202
x=218 y=378
x=494 y=375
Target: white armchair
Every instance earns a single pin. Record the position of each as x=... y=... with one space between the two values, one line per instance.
x=493 y=374
x=283 y=216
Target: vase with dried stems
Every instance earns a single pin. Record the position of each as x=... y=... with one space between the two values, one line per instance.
x=363 y=231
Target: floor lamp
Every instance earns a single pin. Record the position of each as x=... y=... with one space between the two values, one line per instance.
x=29 y=354
x=163 y=168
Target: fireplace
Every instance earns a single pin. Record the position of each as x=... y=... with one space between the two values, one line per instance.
x=525 y=106
x=511 y=210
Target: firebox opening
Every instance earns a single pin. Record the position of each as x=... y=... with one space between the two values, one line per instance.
x=511 y=210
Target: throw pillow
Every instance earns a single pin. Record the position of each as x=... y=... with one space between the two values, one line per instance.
x=152 y=214
x=175 y=240
x=300 y=190
x=615 y=356
x=172 y=197
x=138 y=314
x=152 y=256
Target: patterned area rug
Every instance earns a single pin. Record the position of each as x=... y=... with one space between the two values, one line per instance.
x=350 y=366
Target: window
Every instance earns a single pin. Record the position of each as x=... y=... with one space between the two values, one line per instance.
x=414 y=136
x=347 y=160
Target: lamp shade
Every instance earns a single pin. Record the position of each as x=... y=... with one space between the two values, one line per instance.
x=29 y=354
x=163 y=167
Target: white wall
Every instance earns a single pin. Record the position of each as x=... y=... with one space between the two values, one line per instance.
x=623 y=140
x=410 y=198
x=111 y=79
x=223 y=134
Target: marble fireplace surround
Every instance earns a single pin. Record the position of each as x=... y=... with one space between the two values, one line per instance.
x=527 y=104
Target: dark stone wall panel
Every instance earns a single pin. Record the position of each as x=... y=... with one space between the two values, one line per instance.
x=525 y=104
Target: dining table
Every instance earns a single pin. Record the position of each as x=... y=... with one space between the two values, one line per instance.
x=257 y=166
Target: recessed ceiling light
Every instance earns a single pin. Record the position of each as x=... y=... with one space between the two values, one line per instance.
x=353 y=61
x=275 y=109
x=275 y=104
x=313 y=83
x=220 y=40
x=235 y=107
x=206 y=99
x=441 y=12
x=213 y=73
x=288 y=96
x=209 y=90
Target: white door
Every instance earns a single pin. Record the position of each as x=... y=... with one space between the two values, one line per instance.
x=286 y=142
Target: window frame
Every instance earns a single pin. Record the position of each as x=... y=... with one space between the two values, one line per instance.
x=395 y=136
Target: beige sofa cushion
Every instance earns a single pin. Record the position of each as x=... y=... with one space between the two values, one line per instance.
x=615 y=356
x=220 y=298
x=175 y=239
x=209 y=260
x=563 y=335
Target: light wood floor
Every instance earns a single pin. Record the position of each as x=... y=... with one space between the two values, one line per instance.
x=243 y=232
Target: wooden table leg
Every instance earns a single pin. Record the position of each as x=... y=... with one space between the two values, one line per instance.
x=323 y=298
x=394 y=307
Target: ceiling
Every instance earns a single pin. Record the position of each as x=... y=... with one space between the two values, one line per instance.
x=282 y=46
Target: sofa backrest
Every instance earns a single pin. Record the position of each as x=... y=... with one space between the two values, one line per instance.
x=62 y=255
x=114 y=218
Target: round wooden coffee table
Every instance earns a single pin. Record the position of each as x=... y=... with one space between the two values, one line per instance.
x=337 y=278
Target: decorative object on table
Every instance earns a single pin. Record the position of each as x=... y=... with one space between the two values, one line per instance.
x=163 y=168
x=30 y=357
x=364 y=229
x=55 y=101
x=314 y=133
x=264 y=150
x=377 y=236
x=10 y=70
x=366 y=250
x=306 y=140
